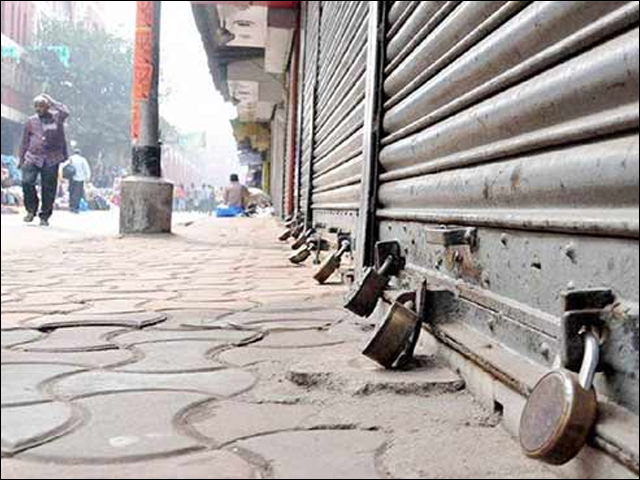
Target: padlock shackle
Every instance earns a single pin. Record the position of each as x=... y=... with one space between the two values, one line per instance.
x=386 y=266
x=344 y=248
x=591 y=360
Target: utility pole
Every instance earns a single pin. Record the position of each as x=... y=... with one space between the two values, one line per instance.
x=147 y=199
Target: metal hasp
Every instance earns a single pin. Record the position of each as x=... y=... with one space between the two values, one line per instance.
x=332 y=262
x=311 y=244
x=582 y=309
x=562 y=409
x=363 y=298
x=318 y=245
x=452 y=236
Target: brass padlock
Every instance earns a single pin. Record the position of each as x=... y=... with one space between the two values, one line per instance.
x=393 y=336
x=302 y=239
x=562 y=410
x=331 y=264
x=297 y=231
x=286 y=235
x=301 y=255
x=363 y=298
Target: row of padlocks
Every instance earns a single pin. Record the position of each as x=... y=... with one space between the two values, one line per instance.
x=562 y=408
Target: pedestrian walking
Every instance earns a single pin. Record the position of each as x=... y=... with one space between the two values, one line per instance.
x=80 y=175
x=43 y=149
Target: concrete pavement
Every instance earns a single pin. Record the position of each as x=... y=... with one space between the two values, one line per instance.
x=206 y=355
x=65 y=227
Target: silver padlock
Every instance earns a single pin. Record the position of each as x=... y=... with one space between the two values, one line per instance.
x=562 y=409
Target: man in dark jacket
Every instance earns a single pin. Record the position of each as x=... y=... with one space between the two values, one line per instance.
x=44 y=148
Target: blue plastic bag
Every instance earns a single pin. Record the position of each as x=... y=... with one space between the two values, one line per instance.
x=224 y=211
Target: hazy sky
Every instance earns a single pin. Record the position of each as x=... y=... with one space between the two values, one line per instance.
x=193 y=104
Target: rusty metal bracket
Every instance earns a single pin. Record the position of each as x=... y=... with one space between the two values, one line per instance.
x=452 y=236
x=582 y=309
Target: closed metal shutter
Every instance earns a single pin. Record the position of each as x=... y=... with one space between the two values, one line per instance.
x=311 y=19
x=519 y=119
x=338 y=139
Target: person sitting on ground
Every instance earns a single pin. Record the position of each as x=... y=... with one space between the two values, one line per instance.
x=236 y=195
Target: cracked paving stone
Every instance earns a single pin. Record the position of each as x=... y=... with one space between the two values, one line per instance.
x=101 y=359
x=208 y=296
x=68 y=340
x=15 y=320
x=86 y=297
x=146 y=431
x=445 y=452
x=255 y=354
x=115 y=307
x=191 y=319
x=226 y=422
x=358 y=375
x=234 y=305
x=218 y=383
x=27 y=426
x=328 y=316
x=179 y=356
x=135 y=320
x=45 y=309
x=311 y=305
x=11 y=338
x=21 y=381
x=132 y=287
x=223 y=337
x=319 y=454
x=289 y=326
x=47 y=298
x=308 y=339
x=413 y=413
x=206 y=465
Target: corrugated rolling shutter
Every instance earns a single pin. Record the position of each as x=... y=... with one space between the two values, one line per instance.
x=521 y=119
x=338 y=138
x=311 y=12
x=291 y=138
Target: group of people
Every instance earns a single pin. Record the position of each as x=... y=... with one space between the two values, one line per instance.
x=191 y=198
x=234 y=200
x=43 y=153
x=44 y=159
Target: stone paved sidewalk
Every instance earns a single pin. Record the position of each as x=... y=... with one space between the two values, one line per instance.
x=206 y=355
